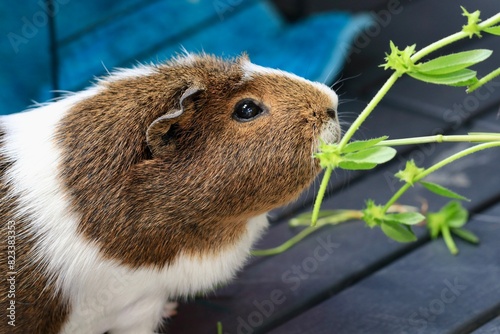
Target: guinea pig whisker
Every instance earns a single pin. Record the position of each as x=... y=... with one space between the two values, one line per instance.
x=341 y=80
x=332 y=75
x=105 y=68
x=344 y=101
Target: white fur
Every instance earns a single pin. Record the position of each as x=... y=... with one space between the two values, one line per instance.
x=186 y=58
x=251 y=70
x=104 y=295
x=330 y=133
x=118 y=298
x=140 y=70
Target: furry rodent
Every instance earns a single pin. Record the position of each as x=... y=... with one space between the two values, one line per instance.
x=151 y=185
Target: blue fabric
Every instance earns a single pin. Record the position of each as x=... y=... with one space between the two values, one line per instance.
x=126 y=39
x=24 y=56
x=96 y=35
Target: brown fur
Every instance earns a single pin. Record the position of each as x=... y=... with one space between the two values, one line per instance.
x=195 y=199
x=192 y=193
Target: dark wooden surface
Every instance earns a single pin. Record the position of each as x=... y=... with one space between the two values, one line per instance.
x=352 y=279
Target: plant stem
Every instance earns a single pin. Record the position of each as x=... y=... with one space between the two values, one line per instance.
x=437 y=166
x=219 y=327
x=453 y=38
x=333 y=217
x=490 y=22
x=341 y=216
x=456 y=156
x=321 y=195
x=445 y=230
x=392 y=79
x=476 y=138
x=438 y=45
x=396 y=196
x=368 y=109
x=286 y=245
x=484 y=80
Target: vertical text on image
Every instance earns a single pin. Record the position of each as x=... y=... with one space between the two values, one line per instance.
x=11 y=272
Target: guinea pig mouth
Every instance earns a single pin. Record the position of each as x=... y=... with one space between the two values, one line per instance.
x=330 y=132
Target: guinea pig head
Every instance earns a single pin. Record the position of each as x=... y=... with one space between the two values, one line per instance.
x=245 y=137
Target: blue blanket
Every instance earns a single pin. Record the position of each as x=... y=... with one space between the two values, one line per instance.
x=65 y=49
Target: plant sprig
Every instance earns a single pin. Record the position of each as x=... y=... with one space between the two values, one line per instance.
x=451 y=70
x=327 y=217
x=464 y=33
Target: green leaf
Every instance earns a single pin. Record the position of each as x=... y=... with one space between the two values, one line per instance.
x=465 y=235
x=448 y=220
x=453 y=62
x=397 y=232
x=442 y=191
x=362 y=144
x=463 y=77
x=448 y=240
x=452 y=214
x=409 y=173
x=406 y=218
x=456 y=214
x=371 y=155
x=471 y=28
x=328 y=155
x=373 y=213
x=356 y=166
x=399 y=60
x=435 y=222
x=493 y=30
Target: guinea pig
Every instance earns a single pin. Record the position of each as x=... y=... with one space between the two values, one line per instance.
x=149 y=186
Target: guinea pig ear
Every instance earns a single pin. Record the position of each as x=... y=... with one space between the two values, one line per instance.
x=163 y=128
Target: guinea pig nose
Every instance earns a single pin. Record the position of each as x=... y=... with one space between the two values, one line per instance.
x=331 y=113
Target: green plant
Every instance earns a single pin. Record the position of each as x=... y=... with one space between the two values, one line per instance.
x=451 y=70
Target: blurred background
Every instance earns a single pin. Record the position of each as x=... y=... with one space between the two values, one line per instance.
x=50 y=46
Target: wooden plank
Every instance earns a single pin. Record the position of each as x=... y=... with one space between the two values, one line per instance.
x=322 y=265
x=428 y=291
x=492 y=327
x=359 y=252
x=493 y=116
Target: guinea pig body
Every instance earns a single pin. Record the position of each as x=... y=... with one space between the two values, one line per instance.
x=150 y=186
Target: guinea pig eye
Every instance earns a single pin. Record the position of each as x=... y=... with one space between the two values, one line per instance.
x=246 y=110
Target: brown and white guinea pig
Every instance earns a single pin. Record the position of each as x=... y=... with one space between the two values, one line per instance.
x=149 y=186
